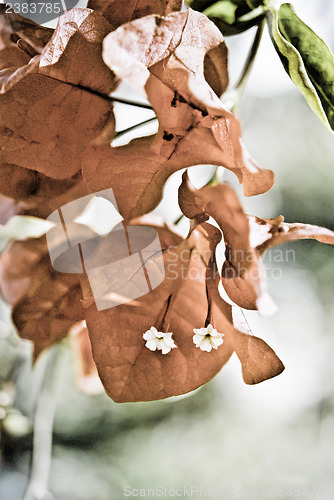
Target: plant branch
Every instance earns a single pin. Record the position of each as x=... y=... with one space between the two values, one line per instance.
x=251 y=57
x=234 y=97
x=125 y=131
x=131 y=103
x=178 y=220
x=43 y=425
x=106 y=97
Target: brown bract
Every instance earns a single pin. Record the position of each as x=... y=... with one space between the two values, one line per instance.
x=14 y=27
x=52 y=107
x=20 y=39
x=45 y=303
x=242 y=275
x=73 y=54
x=263 y=235
x=258 y=361
x=267 y=233
x=129 y=370
x=118 y=12
x=246 y=237
x=181 y=61
x=34 y=193
x=187 y=298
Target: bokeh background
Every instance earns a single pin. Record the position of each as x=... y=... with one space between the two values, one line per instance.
x=275 y=439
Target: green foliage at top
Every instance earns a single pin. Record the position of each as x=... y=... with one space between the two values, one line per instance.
x=307 y=59
x=304 y=55
x=231 y=16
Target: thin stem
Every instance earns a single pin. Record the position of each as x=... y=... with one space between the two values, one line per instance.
x=115 y=99
x=208 y=318
x=106 y=97
x=131 y=103
x=125 y=131
x=239 y=89
x=178 y=220
x=216 y=178
x=43 y=425
x=251 y=58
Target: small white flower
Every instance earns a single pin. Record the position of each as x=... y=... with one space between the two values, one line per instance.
x=159 y=340
x=207 y=338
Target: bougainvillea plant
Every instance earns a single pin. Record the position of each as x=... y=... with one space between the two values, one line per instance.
x=57 y=129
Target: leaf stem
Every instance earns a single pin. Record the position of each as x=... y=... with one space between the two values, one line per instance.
x=240 y=86
x=133 y=127
x=178 y=220
x=251 y=57
x=216 y=178
x=43 y=425
x=131 y=103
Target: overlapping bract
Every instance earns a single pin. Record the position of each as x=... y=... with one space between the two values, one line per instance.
x=118 y=12
x=246 y=237
x=56 y=127
x=53 y=102
x=47 y=92
x=180 y=60
x=188 y=298
x=45 y=303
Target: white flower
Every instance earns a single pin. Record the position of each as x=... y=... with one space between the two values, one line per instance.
x=159 y=340
x=207 y=338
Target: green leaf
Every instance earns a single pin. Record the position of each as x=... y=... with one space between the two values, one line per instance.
x=239 y=26
x=307 y=60
x=225 y=10
x=232 y=17
x=201 y=5
x=230 y=21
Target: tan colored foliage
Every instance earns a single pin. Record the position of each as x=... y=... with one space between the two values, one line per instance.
x=56 y=130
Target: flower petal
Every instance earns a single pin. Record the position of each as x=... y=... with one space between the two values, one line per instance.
x=165 y=348
x=152 y=345
x=210 y=329
x=149 y=335
x=216 y=335
x=169 y=341
x=216 y=342
x=200 y=331
x=197 y=339
x=206 y=345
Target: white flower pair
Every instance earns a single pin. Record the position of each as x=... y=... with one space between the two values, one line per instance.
x=205 y=338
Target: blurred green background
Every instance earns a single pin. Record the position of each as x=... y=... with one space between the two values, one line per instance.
x=275 y=439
